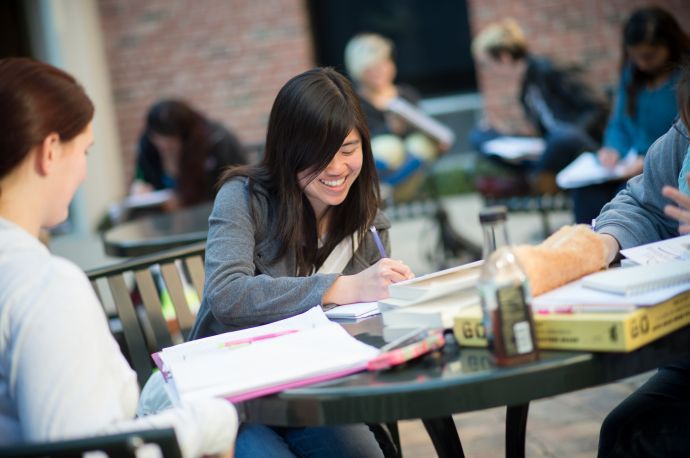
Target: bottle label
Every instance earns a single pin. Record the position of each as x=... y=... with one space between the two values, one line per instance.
x=523 y=337
x=515 y=328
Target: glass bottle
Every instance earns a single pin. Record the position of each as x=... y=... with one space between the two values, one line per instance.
x=505 y=294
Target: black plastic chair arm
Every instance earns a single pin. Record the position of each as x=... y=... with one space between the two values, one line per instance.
x=120 y=445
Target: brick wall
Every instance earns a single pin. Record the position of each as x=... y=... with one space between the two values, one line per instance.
x=586 y=32
x=228 y=58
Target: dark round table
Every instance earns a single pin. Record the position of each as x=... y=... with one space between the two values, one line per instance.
x=454 y=381
x=156 y=232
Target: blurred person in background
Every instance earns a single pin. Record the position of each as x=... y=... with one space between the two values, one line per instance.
x=182 y=150
x=400 y=149
x=653 y=47
x=558 y=104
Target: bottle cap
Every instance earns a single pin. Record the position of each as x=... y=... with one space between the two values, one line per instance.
x=493 y=214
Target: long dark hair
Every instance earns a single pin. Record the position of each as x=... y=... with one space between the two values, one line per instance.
x=311 y=117
x=651 y=26
x=176 y=118
x=37 y=99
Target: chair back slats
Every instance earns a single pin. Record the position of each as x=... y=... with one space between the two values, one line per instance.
x=132 y=295
x=173 y=282
x=134 y=337
x=153 y=310
x=195 y=267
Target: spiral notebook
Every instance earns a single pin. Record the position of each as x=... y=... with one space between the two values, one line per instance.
x=639 y=279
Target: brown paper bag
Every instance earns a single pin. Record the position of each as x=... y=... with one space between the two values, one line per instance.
x=568 y=254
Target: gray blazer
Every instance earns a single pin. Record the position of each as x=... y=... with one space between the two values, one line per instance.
x=244 y=285
x=636 y=215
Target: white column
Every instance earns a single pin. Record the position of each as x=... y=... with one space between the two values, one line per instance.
x=67 y=34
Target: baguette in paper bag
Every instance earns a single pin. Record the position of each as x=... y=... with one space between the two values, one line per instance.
x=568 y=254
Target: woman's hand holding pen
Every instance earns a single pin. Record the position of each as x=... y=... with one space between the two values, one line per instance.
x=682 y=211
x=369 y=285
x=373 y=282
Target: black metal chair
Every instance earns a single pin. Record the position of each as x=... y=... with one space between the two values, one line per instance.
x=131 y=293
x=114 y=445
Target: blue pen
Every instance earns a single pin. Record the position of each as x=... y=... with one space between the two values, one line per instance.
x=377 y=240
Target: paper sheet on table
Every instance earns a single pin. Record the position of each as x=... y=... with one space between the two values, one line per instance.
x=584 y=299
x=587 y=170
x=675 y=249
x=354 y=311
x=515 y=148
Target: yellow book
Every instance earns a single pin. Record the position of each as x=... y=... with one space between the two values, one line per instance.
x=617 y=332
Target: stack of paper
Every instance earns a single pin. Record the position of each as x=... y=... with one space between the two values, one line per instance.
x=431 y=300
x=355 y=311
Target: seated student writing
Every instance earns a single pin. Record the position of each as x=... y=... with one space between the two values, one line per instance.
x=654 y=44
x=556 y=101
x=655 y=420
x=62 y=375
x=180 y=149
x=293 y=232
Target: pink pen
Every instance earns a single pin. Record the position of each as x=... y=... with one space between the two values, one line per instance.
x=248 y=340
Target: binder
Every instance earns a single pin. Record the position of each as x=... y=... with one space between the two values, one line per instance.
x=639 y=279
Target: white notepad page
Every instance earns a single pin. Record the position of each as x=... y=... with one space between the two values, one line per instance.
x=639 y=279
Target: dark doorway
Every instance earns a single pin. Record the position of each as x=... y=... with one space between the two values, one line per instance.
x=14 y=36
x=432 y=38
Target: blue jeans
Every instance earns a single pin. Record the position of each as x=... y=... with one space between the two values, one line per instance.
x=654 y=421
x=589 y=200
x=333 y=442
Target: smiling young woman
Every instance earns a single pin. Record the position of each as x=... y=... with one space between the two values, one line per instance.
x=293 y=231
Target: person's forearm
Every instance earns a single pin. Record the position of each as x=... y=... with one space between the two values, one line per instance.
x=342 y=291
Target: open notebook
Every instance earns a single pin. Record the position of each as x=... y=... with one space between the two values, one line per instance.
x=304 y=349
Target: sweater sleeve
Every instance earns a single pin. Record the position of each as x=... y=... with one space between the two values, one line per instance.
x=236 y=291
x=636 y=215
x=69 y=379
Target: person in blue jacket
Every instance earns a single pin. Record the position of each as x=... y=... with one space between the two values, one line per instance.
x=654 y=421
x=645 y=106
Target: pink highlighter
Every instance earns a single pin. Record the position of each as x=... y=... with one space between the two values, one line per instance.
x=432 y=341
